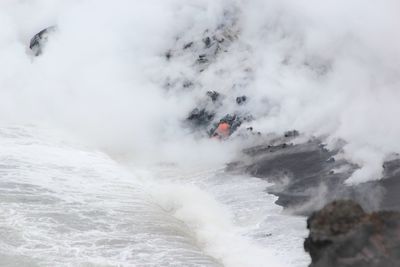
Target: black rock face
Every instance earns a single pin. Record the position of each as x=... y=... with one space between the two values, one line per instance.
x=300 y=173
x=343 y=235
x=200 y=117
x=38 y=41
x=306 y=176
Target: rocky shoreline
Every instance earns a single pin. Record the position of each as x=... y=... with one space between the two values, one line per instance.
x=350 y=225
x=342 y=234
x=306 y=176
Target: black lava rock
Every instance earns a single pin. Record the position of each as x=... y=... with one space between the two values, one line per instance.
x=38 y=41
x=213 y=95
x=240 y=100
x=202 y=59
x=293 y=133
x=343 y=235
x=188 y=45
x=207 y=42
x=233 y=120
x=200 y=117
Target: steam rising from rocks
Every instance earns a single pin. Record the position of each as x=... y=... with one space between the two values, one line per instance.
x=329 y=69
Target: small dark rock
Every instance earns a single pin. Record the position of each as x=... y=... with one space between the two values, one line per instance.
x=292 y=133
x=214 y=95
x=241 y=100
x=188 y=45
x=207 y=42
x=202 y=59
x=220 y=39
x=38 y=41
x=187 y=84
x=168 y=55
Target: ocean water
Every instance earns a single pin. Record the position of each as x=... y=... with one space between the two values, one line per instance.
x=64 y=205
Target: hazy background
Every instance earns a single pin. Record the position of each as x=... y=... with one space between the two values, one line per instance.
x=329 y=69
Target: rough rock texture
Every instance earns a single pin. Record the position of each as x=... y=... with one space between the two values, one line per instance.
x=203 y=63
x=343 y=235
x=307 y=175
x=38 y=41
x=200 y=117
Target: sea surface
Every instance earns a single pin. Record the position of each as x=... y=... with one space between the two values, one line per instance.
x=62 y=204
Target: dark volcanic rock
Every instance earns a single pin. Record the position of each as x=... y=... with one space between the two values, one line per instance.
x=204 y=114
x=241 y=99
x=293 y=133
x=343 y=235
x=214 y=95
x=188 y=45
x=300 y=173
x=39 y=40
x=306 y=176
x=200 y=117
x=234 y=121
x=202 y=59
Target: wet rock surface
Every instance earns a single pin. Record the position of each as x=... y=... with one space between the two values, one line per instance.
x=343 y=235
x=306 y=176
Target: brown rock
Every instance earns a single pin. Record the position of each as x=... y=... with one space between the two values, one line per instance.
x=343 y=235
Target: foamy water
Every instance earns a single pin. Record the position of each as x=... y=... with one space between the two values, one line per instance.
x=62 y=205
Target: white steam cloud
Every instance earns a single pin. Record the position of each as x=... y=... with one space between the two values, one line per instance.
x=326 y=68
x=331 y=68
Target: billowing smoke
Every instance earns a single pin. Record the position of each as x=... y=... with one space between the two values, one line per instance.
x=329 y=69
x=101 y=73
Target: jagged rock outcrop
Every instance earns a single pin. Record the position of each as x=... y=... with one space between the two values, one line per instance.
x=343 y=235
x=307 y=175
x=38 y=41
